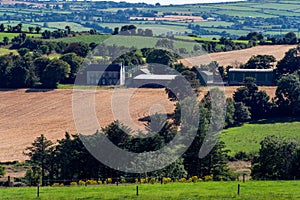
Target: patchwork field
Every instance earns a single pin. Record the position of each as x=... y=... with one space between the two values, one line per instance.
x=235 y=58
x=25 y=114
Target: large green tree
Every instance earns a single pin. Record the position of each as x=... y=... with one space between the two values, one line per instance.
x=75 y=62
x=257 y=101
x=276 y=159
x=289 y=64
x=54 y=72
x=260 y=62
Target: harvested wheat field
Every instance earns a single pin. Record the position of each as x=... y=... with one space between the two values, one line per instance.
x=235 y=58
x=25 y=114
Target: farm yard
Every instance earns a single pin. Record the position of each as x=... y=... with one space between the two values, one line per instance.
x=203 y=190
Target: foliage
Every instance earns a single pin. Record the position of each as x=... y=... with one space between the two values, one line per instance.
x=289 y=64
x=260 y=62
x=257 y=101
x=287 y=95
x=2 y=171
x=277 y=159
x=39 y=154
x=54 y=72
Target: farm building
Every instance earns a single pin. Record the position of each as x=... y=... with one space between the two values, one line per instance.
x=152 y=80
x=262 y=76
x=206 y=77
x=113 y=74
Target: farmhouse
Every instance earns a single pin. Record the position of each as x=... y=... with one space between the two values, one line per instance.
x=262 y=76
x=113 y=74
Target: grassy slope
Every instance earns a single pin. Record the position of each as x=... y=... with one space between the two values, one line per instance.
x=207 y=190
x=248 y=137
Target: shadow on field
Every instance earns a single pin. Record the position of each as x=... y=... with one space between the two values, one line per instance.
x=276 y=120
x=7 y=89
x=31 y=90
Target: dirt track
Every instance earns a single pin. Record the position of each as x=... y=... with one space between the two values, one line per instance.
x=26 y=115
x=235 y=58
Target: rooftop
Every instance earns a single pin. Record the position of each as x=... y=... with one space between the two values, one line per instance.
x=251 y=70
x=154 y=77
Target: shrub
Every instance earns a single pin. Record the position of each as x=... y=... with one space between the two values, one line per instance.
x=73 y=183
x=194 y=179
x=81 y=182
x=91 y=182
x=182 y=180
x=109 y=180
x=153 y=180
x=99 y=182
x=208 y=177
x=55 y=185
x=167 y=180
x=123 y=180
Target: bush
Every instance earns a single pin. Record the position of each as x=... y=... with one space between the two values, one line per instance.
x=56 y=185
x=182 y=180
x=153 y=180
x=81 y=182
x=123 y=180
x=109 y=180
x=208 y=177
x=91 y=182
x=73 y=183
x=167 y=180
x=100 y=182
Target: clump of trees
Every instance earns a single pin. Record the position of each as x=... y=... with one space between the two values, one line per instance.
x=278 y=159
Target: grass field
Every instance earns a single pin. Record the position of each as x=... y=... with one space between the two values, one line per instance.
x=203 y=190
x=85 y=38
x=12 y=35
x=247 y=138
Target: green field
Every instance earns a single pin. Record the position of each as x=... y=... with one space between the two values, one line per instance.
x=138 y=42
x=204 y=190
x=12 y=35
x=84 y=38
x=247 y=138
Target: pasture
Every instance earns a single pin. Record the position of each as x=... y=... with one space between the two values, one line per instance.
x=201 y=190
x=247 y=137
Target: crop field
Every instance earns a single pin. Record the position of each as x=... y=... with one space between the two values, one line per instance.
x=25 y=114
x=235 y=58
x=201 y=190
x=247 y=137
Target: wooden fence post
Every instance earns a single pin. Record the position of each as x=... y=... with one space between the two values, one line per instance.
x=137 y=190
x=38 y=190
x=239 y=186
